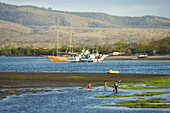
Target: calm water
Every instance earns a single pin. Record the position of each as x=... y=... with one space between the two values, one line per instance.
x=75 y=100
x=28 y=64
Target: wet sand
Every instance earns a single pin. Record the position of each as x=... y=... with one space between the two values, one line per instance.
x=37 y=79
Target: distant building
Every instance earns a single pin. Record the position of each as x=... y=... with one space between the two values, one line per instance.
x=154 y=51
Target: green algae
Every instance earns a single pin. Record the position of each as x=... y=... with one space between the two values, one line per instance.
x=153 y=100
x=134 y=95
x=159 y=103
x=142 y=105
x=146 y=87
x=75 y=77
x=139 y=87
x=154 y=81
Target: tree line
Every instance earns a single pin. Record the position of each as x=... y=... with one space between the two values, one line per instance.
x=159 y=46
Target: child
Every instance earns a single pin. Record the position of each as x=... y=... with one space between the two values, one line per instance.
x=116 y=86
x=89 y=85
x=105 y=85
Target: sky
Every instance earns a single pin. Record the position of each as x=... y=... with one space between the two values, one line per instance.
x=131 y=8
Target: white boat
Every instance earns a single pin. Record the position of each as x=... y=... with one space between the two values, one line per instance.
x=86 y=56
x=100 y=59
x=142 y=55
x=86 y=59
x=94 y=57
x=74 y=58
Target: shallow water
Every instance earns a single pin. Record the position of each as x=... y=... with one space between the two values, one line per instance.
x=74 y=100
x=28 y=64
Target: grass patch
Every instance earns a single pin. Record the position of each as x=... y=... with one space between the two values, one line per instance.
x=75 y=77
x=134 y=95
x=145 y=87
x=143 y=103
x=153 y=81
x=158 y=81
x=139 y=87
x=34 y=77
x=154 y=100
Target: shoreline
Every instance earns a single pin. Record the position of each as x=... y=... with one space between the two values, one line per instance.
x=132 y=57
x=157 y=58
x=46 y=79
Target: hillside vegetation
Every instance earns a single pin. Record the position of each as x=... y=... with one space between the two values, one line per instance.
x=30 y=26
x=31 y=15
x=160 y=46
x=134 y=22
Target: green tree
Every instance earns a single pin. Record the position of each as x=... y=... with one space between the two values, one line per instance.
x=164 y=46
x=140 y=48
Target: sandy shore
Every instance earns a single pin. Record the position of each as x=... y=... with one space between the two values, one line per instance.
x=22 y=79
x=162 y=57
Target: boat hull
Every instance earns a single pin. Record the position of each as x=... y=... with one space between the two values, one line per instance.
x=57 y=59
x=73 y=59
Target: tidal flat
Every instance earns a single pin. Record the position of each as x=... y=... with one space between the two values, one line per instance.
x=46 y=79
x=73 y=86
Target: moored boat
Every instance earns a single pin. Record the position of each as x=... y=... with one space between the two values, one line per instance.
x=100 y=59
x=86 y=56
x=57 y=59
x=74 y=58
x=142 y=55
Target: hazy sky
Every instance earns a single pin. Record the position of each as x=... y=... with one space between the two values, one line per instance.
x=113 y=7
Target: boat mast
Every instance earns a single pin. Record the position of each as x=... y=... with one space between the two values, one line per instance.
x=70 y=35
x=58 y=35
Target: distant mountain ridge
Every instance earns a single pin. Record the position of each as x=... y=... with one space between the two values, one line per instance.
x=135 y=22
x=35 y=27
x=32 y=15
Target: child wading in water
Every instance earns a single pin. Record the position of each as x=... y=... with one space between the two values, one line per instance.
x=89 y=85
x=116 y=86
x=105 y=85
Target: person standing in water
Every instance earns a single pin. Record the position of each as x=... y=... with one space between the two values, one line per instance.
x=89 y=86
x=116 y=86
x=105 y=85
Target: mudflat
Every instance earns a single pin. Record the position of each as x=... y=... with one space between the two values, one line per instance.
x=42 y=79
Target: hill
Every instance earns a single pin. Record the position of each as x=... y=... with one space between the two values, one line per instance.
x=132 y=22
x=31 y=15
x=30 y=26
